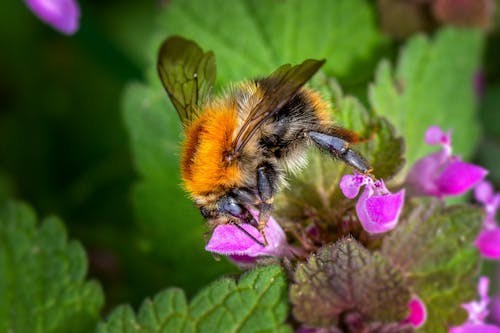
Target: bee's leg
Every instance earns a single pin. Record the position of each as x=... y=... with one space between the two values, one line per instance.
x=245 y=196
x=266 y=183
x=339 y=148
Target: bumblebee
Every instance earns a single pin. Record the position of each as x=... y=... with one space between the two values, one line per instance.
x=238 y=147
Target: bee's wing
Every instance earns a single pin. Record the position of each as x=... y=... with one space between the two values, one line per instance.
x=187 y=74
x=278 y=89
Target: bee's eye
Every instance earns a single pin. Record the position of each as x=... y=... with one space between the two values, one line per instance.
x=230 y=206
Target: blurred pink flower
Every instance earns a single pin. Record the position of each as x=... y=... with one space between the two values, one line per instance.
x=495 y=309
x=441 y=173
x=378 y=209
x=62 y=15
x=489 y=238
x=475 y=328
x=418 y=313
x=488 y=243
x=478 y=311
x=484 y=194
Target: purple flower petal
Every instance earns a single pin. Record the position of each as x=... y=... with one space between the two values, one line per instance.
x=243 y=259
x=421 y=177
x=495 y=309
x=435 y=136
x=475 y=328
x=350 y=184
x=488 y=243
x=228 y=239
x=477 y=311
x=482 y=288
x=62 y=15
x=483 y=192
x=458 y=177
x=443 y=174
x=418 y=313
x=379 y=213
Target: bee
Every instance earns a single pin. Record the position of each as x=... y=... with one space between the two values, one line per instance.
x=238 y=147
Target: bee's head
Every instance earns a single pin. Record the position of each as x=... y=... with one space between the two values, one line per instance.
x=225 y=209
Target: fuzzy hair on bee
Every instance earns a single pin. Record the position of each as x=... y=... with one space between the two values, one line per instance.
x=240 y=146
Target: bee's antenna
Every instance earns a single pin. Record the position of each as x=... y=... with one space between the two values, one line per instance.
x=248 y=234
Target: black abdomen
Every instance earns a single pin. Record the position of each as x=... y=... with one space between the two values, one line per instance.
x=285 y=131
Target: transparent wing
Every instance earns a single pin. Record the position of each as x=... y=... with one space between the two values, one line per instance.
x=187 y=74
x=278 y=89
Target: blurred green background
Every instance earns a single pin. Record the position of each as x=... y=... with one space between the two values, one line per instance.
x=65 y=149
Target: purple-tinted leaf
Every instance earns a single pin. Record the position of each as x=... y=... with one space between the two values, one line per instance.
x=345 y=277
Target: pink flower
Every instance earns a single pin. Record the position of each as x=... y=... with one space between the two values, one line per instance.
x=489 y=238
x=378 y=209
x=62 y=15
x=441 y=173
x=475 y=328
x=488 y=243
x=229 y=240
x=483 y=193
x=418 y=313
x=495 y=309
x=478 y=311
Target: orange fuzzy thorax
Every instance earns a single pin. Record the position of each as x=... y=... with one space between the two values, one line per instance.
x=204 y=167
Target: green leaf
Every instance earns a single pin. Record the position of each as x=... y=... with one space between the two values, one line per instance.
x=256 y=303
x=166 y=312
x=345 y=277
x=42 y=280
x=432 y=85
x=433 y=246
x=489 y=111
x=382 y=147
x=489 y=150
x=251 y=38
